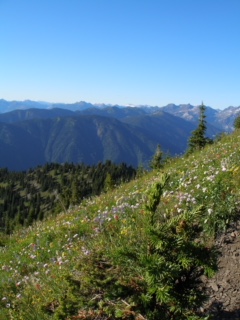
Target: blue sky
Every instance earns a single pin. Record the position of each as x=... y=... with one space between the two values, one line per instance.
x=151 y=52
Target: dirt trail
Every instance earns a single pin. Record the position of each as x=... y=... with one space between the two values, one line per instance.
x=224 y=287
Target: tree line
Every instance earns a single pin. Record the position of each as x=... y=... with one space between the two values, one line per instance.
x=32 y=195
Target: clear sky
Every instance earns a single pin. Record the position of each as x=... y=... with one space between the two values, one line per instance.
x=151 y=52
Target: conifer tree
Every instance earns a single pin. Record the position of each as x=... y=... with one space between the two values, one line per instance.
x=157 y=160
x=108 y=184
x=198 y=140
x=237 y=123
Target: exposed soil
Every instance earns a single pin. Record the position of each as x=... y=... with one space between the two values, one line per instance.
x=224 y=287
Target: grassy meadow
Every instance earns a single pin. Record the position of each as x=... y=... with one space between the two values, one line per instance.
x=135 y=252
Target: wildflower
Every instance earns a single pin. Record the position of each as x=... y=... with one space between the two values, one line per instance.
x=194 y=201
x=204 y=189
x=210 y=211
x=85 y=251
x=211 y=178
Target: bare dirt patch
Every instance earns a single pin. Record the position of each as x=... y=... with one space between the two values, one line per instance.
x=224 y=288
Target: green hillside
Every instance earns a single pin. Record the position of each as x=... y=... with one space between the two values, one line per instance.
x=135 y=252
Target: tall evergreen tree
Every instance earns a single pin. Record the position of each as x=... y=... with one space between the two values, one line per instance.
x=157 y=160
x=198 y=139
x=108 y=183
x=237 y=123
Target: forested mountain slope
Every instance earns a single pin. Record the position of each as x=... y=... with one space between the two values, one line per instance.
x=90 y=139
x=33 y=195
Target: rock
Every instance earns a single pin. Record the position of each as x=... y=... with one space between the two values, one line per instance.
x=214 y=286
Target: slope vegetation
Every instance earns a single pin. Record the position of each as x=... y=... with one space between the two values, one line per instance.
x=138 y=251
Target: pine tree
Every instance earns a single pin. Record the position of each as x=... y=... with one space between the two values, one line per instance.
x=75 y=198
x=108 y=184
x=157 y=160
x=237 y=123
x=198 y=140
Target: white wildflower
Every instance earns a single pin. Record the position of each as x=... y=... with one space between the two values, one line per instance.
x=210 y=211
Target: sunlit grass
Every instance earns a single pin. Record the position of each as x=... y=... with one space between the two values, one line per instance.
x=63 y=266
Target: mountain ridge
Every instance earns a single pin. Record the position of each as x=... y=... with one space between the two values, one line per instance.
x=33 y=136
x=222 y=119
x=89 y=139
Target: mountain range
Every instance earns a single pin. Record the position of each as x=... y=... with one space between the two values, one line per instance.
x=33 y=133
x=222 y=119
